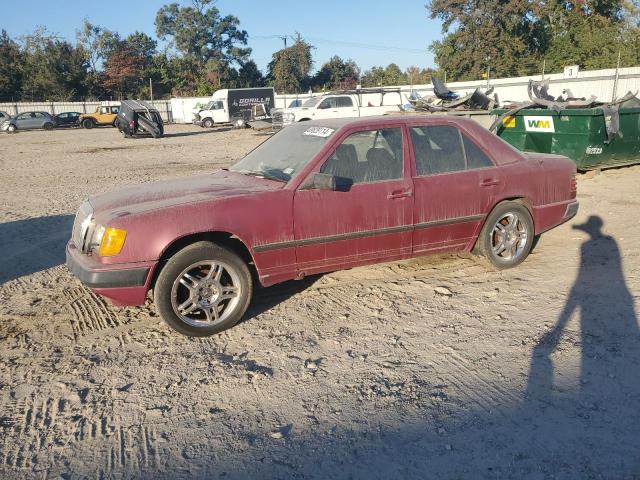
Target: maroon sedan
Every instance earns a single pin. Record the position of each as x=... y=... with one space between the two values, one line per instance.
x=317 y=197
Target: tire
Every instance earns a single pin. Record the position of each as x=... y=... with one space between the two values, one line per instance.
x=48 y=126
x=191 y=266
x=11 y=129
x=207 y=123
x=507 y=235
x=88 y=123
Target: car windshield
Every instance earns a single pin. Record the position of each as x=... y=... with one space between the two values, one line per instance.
x=312 y=102
x=285 y=154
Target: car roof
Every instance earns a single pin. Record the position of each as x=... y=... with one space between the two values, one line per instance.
x=377 y=120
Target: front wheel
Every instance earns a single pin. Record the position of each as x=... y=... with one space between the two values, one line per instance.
x=11 y=129
x=203 y=289
x=48 y=126
x=507 y=235
x=207 y=123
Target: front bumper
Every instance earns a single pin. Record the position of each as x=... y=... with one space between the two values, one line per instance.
x=124 y=284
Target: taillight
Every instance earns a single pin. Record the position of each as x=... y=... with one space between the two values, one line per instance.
x=132 y=125
x=573 y=186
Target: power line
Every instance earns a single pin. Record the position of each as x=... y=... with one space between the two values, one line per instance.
x=385 y=48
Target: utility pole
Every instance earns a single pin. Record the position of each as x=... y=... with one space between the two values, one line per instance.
x=151 y=89
x=544 y=66
x=284 y=94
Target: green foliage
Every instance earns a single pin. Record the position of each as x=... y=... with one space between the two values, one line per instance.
x=336 y=74
x=380 y=77
x=54 y=70
x=11 y=67
x=290 y=67
x=202 y=33
x=514 y=36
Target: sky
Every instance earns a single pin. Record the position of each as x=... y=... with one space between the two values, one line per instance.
x=374 y=32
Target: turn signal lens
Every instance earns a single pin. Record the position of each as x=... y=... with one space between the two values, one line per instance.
x=112 y=242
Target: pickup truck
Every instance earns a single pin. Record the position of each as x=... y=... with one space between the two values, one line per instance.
x=326 y=107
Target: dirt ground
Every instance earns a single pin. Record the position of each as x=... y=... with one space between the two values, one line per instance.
x=431 y=368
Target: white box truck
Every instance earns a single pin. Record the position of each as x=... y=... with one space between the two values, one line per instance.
x=233 y=105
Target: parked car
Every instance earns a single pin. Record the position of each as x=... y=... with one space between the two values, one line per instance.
x=4 y=116
x=317 y=197
x=136 y=118
x=233 y=105
x=104 y=115
x=68 y=119
x=29 y=121
x=338 y=105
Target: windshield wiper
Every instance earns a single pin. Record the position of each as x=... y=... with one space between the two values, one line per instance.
x=266 y=175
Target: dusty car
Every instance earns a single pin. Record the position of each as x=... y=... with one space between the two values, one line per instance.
x=28 y=121
x=136 y=118
x=317 y=197
x=4 y=116
x=104 y=115
x=67 y=119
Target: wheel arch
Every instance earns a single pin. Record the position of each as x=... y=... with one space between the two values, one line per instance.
x=524 y=201
x=224 y=239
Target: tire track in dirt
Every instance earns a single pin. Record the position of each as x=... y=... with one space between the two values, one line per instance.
x=89 y=313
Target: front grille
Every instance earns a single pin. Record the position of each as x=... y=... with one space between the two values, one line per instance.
x=80 y=235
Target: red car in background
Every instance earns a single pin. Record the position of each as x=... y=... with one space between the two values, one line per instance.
x=317 y=197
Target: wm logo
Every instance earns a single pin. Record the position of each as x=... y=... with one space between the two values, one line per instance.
x=539 y=124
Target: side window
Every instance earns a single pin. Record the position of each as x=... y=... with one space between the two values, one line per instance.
x=344 y=102
x=218 y=105
x=104 y=110
x=476 y=158
x=115 y=109
x=438 y=149
x=369 y=156
x=23 y=116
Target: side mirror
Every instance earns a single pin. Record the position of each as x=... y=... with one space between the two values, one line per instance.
x=320 y=181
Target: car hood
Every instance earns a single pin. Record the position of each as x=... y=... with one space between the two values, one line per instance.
x=164 y=194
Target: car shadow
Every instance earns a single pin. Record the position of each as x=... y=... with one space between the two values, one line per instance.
x=203 y=132
x=265 y=298
x=32 y=245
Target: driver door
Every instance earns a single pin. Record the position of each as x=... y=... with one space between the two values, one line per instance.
x=369 y=217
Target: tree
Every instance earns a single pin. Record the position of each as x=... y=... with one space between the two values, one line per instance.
x=200 y=32
x=11 y=69
x=337 y=74
x=123 y=67
x=250 y=75
x=53 y=69
x=96 y=43
x=511 y=35
x=373 y=77
x=289 y=68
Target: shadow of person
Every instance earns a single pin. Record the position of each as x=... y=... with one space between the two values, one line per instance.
x=609 y=333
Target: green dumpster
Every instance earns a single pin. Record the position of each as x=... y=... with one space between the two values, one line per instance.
x=580 y=134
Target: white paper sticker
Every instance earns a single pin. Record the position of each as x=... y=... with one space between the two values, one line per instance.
x=539 y=124
x=323 y=132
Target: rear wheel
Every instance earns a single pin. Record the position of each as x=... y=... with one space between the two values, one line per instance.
x=203 y=289
x=507 y=235
x=208 y=123
x=48 y=126
x=88 y=123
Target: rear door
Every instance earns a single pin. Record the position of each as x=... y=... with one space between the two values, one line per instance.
x=454 y=182
x=369 y=218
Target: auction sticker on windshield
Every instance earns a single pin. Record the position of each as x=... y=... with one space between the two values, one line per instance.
x=323 y=132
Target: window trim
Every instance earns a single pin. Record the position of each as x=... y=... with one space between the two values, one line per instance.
x=464 y=151
x=405 y=154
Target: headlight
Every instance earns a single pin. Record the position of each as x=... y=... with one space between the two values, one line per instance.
x=111 y=240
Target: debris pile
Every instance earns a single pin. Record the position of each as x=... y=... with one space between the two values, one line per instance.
x=446 y=100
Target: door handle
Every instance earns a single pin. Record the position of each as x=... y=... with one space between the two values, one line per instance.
x=399 y=194
x=489 y=182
